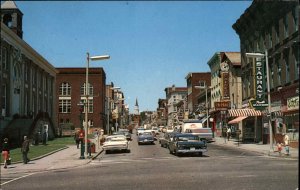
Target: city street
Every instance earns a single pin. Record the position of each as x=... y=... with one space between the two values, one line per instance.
x=153 y=167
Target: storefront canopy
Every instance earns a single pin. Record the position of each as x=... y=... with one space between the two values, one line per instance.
x=237 y=120
x=243 y=112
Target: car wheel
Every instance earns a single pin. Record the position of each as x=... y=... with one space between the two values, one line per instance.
x=128 y=150
x=161 y=145
x=139 y=143
x=107 y=152
x=200 y=154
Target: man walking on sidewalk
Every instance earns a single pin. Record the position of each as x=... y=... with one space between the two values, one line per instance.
x=25 y=150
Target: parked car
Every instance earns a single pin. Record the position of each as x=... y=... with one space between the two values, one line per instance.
x=187 y=143
x=165 y=140
x=145 y=138
x=115 y=143
x=203 y=133
x=123 y=132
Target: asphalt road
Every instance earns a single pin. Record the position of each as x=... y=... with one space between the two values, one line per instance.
x=152 y=167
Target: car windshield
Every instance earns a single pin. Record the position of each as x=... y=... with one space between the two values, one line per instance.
x=113 y=139
x=147 y=133
x=187 y=138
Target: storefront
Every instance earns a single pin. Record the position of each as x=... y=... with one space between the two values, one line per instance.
x=291 y=119
x=251 y=127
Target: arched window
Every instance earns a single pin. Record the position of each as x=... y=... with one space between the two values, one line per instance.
x=83 y=88
x=7 y=20
x=65 y=89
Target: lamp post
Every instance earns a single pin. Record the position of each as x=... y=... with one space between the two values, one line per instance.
x=93 y=58
x=261 y=55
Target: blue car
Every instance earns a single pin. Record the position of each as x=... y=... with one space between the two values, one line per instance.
x=145 y=138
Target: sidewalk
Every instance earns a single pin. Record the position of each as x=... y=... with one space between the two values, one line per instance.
x=255 y=147
x=61 y=159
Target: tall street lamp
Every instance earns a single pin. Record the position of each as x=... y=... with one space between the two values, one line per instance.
x=265 y=55
x=93 y=58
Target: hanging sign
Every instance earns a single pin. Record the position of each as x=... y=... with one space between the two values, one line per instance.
x=260 y=101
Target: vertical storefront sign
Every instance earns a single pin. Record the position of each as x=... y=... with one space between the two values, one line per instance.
x=260 y=84
x=225 y=82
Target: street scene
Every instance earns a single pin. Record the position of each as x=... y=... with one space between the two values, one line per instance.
x=149 y=95
x=224 y=166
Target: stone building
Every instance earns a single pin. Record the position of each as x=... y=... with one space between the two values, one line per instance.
x=173 y=96
x=27 y=82
x=272 y=28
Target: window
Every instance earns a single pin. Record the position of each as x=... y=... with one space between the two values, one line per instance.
x=3 y=59
x=277 y=33
x=4 y=99
x=65 y=89
x=64 y=106
x=270 y=40
x=91 y=123
x=272 y=76
x=278 y=73
x=202 y=84
x=83 y=88
x=296 y=56
x=296 y=17
x=91 y=106
x=286 y=26
x=287 y=70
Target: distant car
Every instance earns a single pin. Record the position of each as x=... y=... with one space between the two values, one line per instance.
x=139 y=130
x=145 y=138
x=115 y=143
x=203 y=133
x=184 y=143
x=123 y=132
x=155 y=129
x=169 y=130
x=165 y=140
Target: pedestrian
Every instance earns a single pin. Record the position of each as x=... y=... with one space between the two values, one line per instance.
x=76 y=138
x=286 y=141
x=228 y=133
x=25 y=150
x=5 y=151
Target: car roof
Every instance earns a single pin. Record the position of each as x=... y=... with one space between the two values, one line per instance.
x=184 y=134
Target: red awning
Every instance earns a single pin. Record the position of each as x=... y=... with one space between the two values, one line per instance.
x=237 y=120
x=243 y=112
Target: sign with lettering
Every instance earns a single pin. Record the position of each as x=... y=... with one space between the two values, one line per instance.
x=222 y=105
x=225 y=82
x=261 y=101
x=293 y=103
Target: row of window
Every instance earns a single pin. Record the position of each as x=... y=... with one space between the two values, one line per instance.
x=67 y=120
x=65 y=89
x=65 y=106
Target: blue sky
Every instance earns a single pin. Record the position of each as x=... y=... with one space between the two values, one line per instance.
x=152 y=44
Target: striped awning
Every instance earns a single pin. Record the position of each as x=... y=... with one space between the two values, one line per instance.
x=237 y=120
x=243 y=112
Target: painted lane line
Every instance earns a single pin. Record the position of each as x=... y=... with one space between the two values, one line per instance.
x=16 y=179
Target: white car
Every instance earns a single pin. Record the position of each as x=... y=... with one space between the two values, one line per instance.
x=115 y=142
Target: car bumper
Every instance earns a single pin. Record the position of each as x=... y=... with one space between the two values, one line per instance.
x=115 y=148
x=191 y=151
x=146 y=141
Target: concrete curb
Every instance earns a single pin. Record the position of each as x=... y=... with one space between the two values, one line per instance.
x=40 y=157
x=271 y=154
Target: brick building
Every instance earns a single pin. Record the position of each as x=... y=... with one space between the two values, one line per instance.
x=70 y=92
x=272 y=27
x=193 y=80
